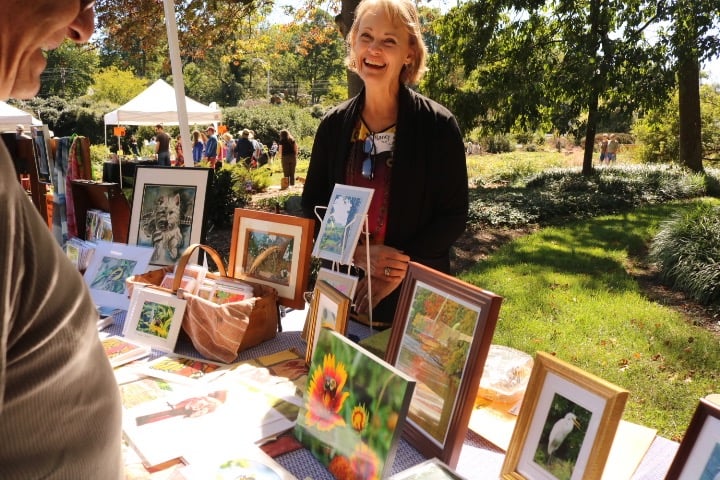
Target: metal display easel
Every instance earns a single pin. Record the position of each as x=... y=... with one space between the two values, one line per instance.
x=336 y=265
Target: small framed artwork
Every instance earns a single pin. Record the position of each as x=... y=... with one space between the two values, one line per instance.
x=274 y=250
x=154 y=318
x=566 y=425
x=432 y=469
x=698 y=456
x=342 y=223
x=353 y=410
x=109 y=267
x=168 y=210
x=441 y=335
x=43 y=153
x=343 y=282
x=329 y=309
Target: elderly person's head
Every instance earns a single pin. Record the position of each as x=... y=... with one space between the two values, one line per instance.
x=29 y=28
x=402 y=15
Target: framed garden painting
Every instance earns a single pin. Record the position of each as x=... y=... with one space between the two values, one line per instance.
x=109 y=267
x=353 y=409
x=698 y=457
x=342 y=223
x=154 y=318
x=441 y=336
x=566 y=425
x=168 y=210
x=274 y=250
x=329 y=309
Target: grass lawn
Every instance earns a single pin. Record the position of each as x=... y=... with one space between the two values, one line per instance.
x=567 y=291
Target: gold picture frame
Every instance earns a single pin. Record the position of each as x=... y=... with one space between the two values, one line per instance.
x=329 y=309
x=567 y=421
x=274 y=250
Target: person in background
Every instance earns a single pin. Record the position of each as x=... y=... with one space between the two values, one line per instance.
x=179 y=156
x=288 y=155
x=20 y=132
x=244 y=148
x=162 y=145
x=60 y=410
x=379 y=140
x=603 y=147
x=229 y=148
x=198 y=146
x=273 y=151
x=612 y=149
x=134 y=148
x=257 y=150
x=211 y=147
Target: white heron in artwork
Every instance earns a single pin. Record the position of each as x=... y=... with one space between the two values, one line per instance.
x=560 y=431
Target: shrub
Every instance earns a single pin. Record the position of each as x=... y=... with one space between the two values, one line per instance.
x=687 y=251
x=498 y=144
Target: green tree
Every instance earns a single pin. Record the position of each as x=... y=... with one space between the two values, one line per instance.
x=117 y=86
x=69 y=70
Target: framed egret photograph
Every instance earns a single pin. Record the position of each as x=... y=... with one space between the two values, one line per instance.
x=566 y=425
x=441 y=335
x=274 y=250
x=698 y=457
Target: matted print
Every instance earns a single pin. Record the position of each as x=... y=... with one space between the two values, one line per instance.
x=441 y=336
x=168 y=210
x=154 y=318
x=274 y=250
x=566 y=425
x=342 y=223
x=109 y=267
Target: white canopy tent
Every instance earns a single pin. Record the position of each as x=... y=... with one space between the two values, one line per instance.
x=157 y=104
x=10 y=117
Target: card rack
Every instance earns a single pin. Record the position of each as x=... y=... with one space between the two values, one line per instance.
x=108 y=197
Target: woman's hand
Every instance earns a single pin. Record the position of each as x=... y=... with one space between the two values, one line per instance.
x=388 y=267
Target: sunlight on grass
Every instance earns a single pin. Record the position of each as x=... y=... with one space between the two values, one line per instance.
x=567 y=291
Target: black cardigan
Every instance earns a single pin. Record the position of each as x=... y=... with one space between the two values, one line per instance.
x=428 y=204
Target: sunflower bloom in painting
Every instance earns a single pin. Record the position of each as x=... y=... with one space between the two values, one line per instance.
x=326 y=396
x=365 y=463
x=359 y=417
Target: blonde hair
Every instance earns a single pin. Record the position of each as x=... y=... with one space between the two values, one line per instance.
x=400 y=12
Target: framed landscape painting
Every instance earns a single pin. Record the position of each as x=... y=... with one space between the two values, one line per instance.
x=698 y=456
x=274 y=250
x=353 y=410
x=168 y=210
x=441 y=336
x=342 y=223
x=566 y=425
x=329 y=309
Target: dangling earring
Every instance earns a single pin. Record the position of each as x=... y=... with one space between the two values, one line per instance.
x=353 y=64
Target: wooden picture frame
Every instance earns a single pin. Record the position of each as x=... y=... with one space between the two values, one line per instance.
x=274 y=250
x=168 y=210
x=154 y=318
x=567 y=422
x=110 y=265
x=342 y=223
x=698 y=456
x=441 y=323
x=329 y=309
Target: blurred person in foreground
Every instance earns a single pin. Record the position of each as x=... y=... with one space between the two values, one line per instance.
x=59 y=403
x=398 y=142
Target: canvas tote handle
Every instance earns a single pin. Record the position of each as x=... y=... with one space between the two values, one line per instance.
x=180 y=269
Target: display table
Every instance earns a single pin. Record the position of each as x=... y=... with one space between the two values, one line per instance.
x=479 y=459
x=113 y=168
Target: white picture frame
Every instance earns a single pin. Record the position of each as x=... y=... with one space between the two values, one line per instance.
x=168 y=210
x=342 y=223
x=345 y=283
x=110 y=265
x=154 y=318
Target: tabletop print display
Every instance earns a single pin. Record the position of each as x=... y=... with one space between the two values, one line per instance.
x=353 y=409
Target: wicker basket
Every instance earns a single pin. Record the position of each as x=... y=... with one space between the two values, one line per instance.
x=219 y=332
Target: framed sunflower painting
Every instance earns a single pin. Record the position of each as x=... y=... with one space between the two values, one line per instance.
x=354 y=408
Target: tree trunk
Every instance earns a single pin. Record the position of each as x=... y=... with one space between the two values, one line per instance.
x=590 y=133
x=344 y=21
x=689 y=102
